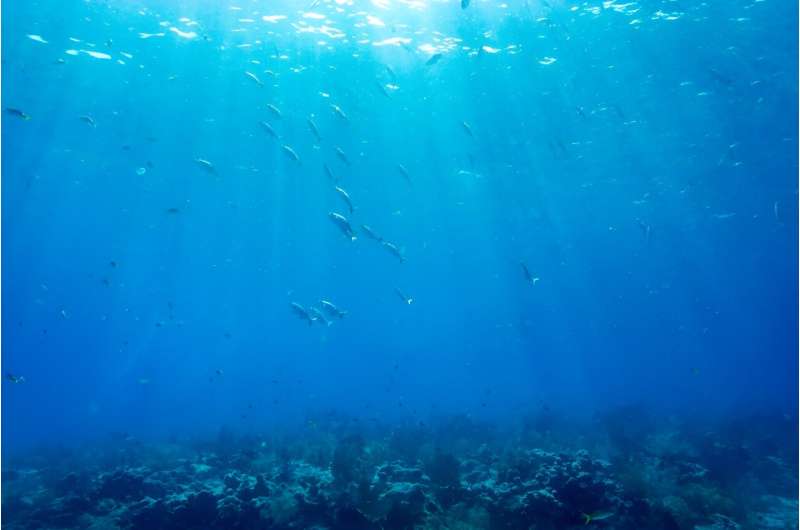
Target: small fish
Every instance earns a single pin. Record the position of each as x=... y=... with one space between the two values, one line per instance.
x=143 y=381
x=269 y=130
x=219 y=372
x=391 y=73
x=317 y=314
x=343 y=224
x=599 y=516
x=467 y=129
x=339 y=112
x=382 y=89
x=530 y=278
x=254 y=78
x=173 y=210
x=408 y=300
x=344 y=195
x=88 y=120
x=301 y=312
x=291 y=153
x=371 y=233
x=314 y=130
x=391 y=247
x=342 y=156
x=776 y=211
x=464 y=4
x=332 y=309
x=17 y=113
x=645 y=230
x=205 y=164
x=435 y=58
x=274 y=110
x=329 y=173
x=404 y=172
x=16 y=379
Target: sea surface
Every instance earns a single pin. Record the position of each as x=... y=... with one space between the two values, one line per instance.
x=399 y=264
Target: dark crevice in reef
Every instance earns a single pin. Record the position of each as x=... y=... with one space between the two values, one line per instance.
x=624 y=470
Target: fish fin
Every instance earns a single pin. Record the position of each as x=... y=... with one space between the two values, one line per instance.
x=587 y=518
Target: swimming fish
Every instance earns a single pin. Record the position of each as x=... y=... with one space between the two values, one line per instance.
x=464 y=4
x=391 y=73
x=291 y=153
x=317 y=314
x=342 y=156
x=343 y=224
x=645 y=230
x=16 y=379
x=268 y=128
x=391 y=247
x=314 y=130
x=301 y=312
x=339 y=112
x=274 y=110
x=371 y=233
x=599 y=516
x=18 y=113
x=404 y=172
x=88 y=120
x=467 y=129
x=343 y=194
x=332 y=309
x=408 y=300
x=172 y=210
x=254 y=78
x=330 y=173
x=205 y=164
x=382 y=88
x=435 y=58
x=776 y=211
x=530 y=278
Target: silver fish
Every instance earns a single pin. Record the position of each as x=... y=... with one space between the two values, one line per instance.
x=205 y=164
x=435 y=58
x=88 y=120
x=291 y=153
x=467 y=128
x=530 y=278
x=332 y=309
x=342 y=156
x=317 y=314
x=408 y=300
x=254 y=78
x=382 y=88
x=314 y=130
x=301 y=312
x=329 y=173
x=404 y=172
x=17 y=113
x=339 y=112
x=343 y=224
x=391 y=247
x=268 y=128
x=371 y=233
x=274 y=110
x=346 y=198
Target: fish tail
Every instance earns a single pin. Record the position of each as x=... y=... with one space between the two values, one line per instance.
x=587 y=518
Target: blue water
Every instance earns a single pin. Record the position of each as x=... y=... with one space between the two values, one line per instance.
x=639 y=158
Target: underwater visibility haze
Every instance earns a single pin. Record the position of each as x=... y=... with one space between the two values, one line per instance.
x=399 y=264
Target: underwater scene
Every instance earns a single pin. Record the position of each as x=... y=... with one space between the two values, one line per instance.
x=399 y=264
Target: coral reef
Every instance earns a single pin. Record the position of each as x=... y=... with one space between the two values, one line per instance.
x=455 y=475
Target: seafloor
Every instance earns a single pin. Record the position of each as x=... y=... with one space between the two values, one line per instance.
x=625 y=469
